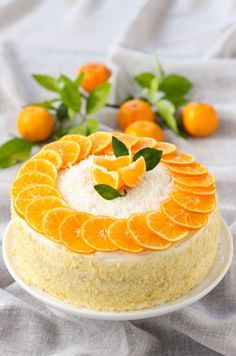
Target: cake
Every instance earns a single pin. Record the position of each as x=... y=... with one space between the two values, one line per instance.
x=114 y=222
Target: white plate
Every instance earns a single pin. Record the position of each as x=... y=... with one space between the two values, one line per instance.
x=214 y=276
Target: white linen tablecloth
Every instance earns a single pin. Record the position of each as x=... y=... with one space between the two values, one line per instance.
x=194 y=38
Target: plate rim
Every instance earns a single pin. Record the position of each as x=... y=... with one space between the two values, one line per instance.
x=113 y=315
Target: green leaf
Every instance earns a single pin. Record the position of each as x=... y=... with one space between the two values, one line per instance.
x=152 y=157
x=119 y=147
x=177 y=101
x=64 y=81
x=79 y=80
x=92 y=126
x=153 y=88
x=165 y=106
x=107 y=192
x=175 y=84
x=166 y=111
x=144 y=79
x=98 y=98
x=13 y=151
x=71 y=113
x=62 y=113
x=59 y=133
x=47 y=82
x=45 y=104
x=71 y=98
x=80 y=129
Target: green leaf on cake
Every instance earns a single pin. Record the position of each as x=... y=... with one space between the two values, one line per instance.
x=14 y=151
x=47 y=82
x=97 y=98
x=152 y=157
x=107 y=192
x=119 y=147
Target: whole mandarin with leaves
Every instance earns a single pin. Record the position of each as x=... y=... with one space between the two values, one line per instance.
x=145 y=128
x=134 y=110
x=199 y=119
x=94 y=75
x=35 y=123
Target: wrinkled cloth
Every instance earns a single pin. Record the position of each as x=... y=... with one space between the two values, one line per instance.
x=194 y=39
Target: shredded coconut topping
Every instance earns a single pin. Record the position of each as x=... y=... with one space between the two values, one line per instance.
x=76 y=186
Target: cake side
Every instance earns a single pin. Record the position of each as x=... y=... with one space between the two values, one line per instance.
x=142 y=281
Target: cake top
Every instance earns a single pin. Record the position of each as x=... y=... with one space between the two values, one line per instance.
x=113 y=191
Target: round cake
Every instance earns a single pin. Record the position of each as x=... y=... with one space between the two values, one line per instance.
x=114 y=222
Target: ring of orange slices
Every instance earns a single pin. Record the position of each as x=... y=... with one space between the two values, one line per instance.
x=37 y=200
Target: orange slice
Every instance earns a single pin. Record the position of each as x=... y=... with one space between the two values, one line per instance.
x=204 y=180
x=52 y=220
x=36 y=210
x=95 y=232
x=143 y=142
x=84 y=142
x=101 y=176
x=120 y=236
x=39 y=165
x=139 y=229
x=164 y=227
x=211 y=190
x=178 y=158
x=100 y=140
x=68 y=150
x=134 y=173
x=128 y=140
x=193 y=202
x=165 y=147
x=51 y=156
x=70 y=232
x=27 y=195
x=183 y=217
x=113 y=164
x=190 y=169
x=28 y=179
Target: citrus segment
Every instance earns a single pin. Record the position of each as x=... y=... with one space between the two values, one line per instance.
x=164 y=227
x=193 y=202
x=134 y=173
x=95 y=232
x=84 y=142
x=120 y=236
x=178 y=158
x=52 y=220
x=68 y=150
x=204 y=180
x=38 y=165
x=183 y=217
x=142 y=143
x=70 y=232
x=101 y=176
x=36 y=210
x=51 y=156
x=100 y=140
x=190 y=169
x=210 y=190
x=113 y=164
x=28 y=179
x=140 y=231
x=165 y=147
x=33 y=192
